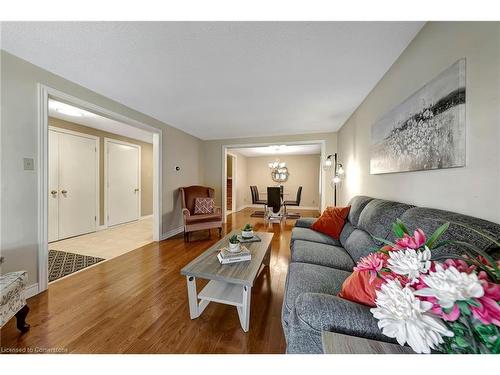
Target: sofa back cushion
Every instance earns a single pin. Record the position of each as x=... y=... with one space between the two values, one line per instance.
x=429 y=219
x=346 y=232
x=357 y=204
x=378 y=215
x=359 y=244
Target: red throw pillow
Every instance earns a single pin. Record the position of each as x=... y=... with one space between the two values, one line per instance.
x=357 y=288
x=203 y=206
x=331 y=221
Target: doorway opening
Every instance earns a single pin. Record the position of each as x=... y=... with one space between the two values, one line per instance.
x=100 y=185
x=294 y=167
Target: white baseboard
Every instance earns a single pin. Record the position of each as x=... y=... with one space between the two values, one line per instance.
x=101 y=227
x=145 y=217
x=171 y=233
x=31 y=290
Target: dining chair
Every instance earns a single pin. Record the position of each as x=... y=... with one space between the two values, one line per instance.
x=296 y=202
x=255 y=196
x=274 y=204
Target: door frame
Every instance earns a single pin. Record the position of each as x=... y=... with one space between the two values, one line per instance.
x=107 y=141
x=43 y=94
x=97 y=169
x=227 y=147
x=234 y=180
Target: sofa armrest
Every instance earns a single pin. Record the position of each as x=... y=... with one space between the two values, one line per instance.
x=305 y=222
x=325 y=312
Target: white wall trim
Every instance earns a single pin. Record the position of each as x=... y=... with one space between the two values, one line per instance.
x=172 y=233
x=43 y=93
x=234 y=180
x=31 y=290
x=146 y=217
x=227 y=147
x=107 y=141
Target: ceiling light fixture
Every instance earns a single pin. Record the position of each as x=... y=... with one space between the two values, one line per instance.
x=66 y=109
x=70 y=112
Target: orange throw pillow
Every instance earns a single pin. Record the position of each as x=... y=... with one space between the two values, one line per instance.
x=331 y=221
x=357 y=288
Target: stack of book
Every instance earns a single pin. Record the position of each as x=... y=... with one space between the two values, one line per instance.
x=226 y=257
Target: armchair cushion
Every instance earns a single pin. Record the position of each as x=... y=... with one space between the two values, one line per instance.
x=203 y=218
x=203 y=206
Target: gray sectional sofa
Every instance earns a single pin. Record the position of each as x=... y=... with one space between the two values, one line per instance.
x=320 y=264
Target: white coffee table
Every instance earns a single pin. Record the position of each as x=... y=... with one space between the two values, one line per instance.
x=230 y=284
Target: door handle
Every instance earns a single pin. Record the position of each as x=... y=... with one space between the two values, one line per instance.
x=64 y=191
x=53 y=192
x=136 y=190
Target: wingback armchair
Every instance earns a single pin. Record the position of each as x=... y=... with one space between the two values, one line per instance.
x=196 y=222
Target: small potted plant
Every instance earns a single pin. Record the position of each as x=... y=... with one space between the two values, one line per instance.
x=234 y=244
x=247 y=231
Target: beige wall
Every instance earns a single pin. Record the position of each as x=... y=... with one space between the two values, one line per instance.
x=304 y=171
x=19 y=198
x=146 y=163
x=474 y=189
x=213 y=157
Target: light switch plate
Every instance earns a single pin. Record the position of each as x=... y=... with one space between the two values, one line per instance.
x=29 y=164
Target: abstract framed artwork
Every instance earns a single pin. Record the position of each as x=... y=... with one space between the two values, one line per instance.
x=425 y=131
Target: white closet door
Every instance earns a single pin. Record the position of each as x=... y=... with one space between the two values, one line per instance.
x=77 y=185
x=53 y=205
x=123 y=182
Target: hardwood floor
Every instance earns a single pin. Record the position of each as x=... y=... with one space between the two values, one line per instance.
x=137 y=303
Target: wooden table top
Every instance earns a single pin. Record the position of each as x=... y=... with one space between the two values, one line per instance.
x=207 y=266
x=337 y=343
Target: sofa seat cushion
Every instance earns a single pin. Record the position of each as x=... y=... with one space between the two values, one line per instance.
x=196 y=219
x=316 y=312
x=311 y=278
x=306 y=234
x=321 y=254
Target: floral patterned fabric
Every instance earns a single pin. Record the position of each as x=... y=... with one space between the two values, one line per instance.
x=12 y=298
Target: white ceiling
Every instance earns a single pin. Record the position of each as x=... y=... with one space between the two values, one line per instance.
x=99 y=122
x=221 y=79
x=277 y=150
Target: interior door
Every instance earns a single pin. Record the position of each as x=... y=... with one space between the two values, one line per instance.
x=123 y=182
x=53 y=199
x=77 y=185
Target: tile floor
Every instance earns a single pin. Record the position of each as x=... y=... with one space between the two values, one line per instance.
x=111 y=242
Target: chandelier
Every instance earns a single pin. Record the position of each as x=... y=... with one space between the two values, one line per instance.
x=279 y=171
